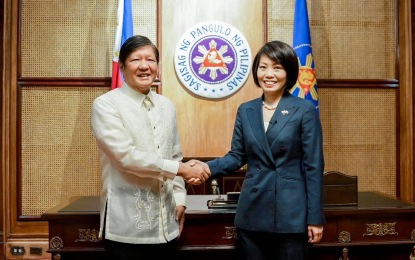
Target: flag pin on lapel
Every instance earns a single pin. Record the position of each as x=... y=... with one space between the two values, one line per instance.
x=284 y=112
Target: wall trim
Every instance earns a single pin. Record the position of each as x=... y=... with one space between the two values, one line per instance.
x=406 y=103
x=103 y=82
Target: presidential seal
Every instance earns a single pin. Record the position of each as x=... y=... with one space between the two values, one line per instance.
x=213 y=59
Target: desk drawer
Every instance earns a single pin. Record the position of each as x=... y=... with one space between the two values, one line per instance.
x=370 y=229
x=215 y=230
x=75 y=233
x=377 y=228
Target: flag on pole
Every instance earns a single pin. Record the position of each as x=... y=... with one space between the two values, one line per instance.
x=123 y=32
x=306 y=86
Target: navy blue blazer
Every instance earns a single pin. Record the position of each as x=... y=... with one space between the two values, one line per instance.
x=283 y=187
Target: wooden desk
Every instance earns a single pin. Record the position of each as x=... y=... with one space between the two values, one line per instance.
x=379 y=227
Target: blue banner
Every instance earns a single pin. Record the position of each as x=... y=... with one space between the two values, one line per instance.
x=306 y=86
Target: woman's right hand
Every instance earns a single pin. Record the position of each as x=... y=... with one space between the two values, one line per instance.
x=315 y=233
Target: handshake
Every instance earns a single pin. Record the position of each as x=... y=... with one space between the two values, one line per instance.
x=194 y=172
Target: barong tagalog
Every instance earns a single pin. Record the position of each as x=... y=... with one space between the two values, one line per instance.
x=213 y=59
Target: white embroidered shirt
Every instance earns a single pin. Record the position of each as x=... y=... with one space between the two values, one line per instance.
x=139 y=150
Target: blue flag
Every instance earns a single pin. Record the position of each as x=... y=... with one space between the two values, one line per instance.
x=306 y=86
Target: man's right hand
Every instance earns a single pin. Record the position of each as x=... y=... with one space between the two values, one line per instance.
x=194 y=173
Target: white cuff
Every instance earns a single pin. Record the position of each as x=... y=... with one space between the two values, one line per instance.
x=169 y=171
x=180 y=199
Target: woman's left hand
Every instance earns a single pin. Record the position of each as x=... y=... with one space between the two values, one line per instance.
x=180 y=217
x=315 y=233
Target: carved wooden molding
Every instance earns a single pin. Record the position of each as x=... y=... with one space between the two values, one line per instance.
x=88 y=235
x=380 y=229
x=73 y=82
x=230 y=233
x=405 y=112
x=358 y=83
x=106 y=81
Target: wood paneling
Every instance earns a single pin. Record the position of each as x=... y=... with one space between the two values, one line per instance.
x=9 y=112
x=1 y=130
x=406 y=103
x=100 y=82
x=358 y=83
x=411 y=189
x=206 y=126
x=56 y=82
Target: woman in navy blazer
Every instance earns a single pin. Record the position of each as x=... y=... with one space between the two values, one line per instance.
x=279 y=136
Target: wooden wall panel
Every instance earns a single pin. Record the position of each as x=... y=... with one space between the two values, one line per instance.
x=75 y=38
x=206 y=126
x=1 y=119
x=9 y=116
x=406 y=102
x=352 y=39
x=361 y=140
x=58 y=151
x=14 y=231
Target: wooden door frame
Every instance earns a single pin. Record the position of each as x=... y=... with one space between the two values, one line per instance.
x=405 y=117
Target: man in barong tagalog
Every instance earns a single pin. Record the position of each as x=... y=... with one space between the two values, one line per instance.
x=143 y=195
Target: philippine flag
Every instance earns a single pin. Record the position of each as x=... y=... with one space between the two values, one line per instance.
x=124 y=31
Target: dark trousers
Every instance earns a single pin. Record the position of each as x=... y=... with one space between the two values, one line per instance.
x=266 y=246
x=124 y=251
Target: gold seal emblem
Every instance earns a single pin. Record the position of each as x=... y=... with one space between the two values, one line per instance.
x=306 y=81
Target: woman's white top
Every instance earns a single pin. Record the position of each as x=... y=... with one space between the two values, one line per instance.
x=266 y=124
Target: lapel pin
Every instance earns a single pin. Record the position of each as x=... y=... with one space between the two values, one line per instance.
x=284 y=112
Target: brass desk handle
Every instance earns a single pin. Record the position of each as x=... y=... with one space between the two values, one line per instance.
x=344 y=237
x=230 y=233
x=56 y=243
x=57 y=257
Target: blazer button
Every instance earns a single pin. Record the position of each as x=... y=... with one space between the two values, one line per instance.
x=250 y=147
x=257 y=169
x=254 y=189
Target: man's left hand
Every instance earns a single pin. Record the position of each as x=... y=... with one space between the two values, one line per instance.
x=180 y=217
